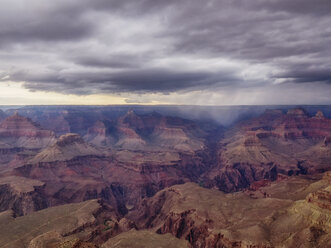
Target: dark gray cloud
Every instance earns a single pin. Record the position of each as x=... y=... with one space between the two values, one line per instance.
x=257 y=31
x=316 y=8
x=34 y=21
x=109 y=61
x=92 y=46
x=135 y=80
x=306 y=75
x=48 y=30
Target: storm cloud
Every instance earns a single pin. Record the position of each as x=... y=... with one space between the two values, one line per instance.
x=167 y=47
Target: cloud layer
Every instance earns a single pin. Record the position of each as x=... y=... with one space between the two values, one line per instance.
x=175 y=47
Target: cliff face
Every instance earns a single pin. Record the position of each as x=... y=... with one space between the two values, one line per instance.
x=185 y=215
x=22 y=195
x=53 y=121
x=67 y=147
x=121 y=182
x=272 y=144
x=97 y=135
x=132 y=162
x=209 y=218
x=150 y=132
x=62 y=226
x=143 y=157
x=322 y=197
x=2 y=115
x=20 y=137
x=19 y=131
x=153 y=152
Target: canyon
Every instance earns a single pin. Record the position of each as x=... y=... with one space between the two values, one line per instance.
x=129 y=177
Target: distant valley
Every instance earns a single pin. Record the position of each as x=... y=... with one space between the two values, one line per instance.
x=127 y=176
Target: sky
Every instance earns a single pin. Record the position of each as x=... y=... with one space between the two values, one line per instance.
x=210 y=52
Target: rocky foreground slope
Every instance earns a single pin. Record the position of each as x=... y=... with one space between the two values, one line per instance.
x=293 y=212
x=210 y=218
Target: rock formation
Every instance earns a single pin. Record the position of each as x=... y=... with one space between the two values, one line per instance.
x=210 y=218
x=97 y=135
x=20 y=132
x=272 y=144
x=22 y=195
x=146 y=170
x=67 y=147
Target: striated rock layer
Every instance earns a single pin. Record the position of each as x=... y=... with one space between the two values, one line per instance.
x=131 y=163
x=210 y=218
x=289 y=214
x=22 y=195
x=272 y=144
x=146 y=154
x=19 y=131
